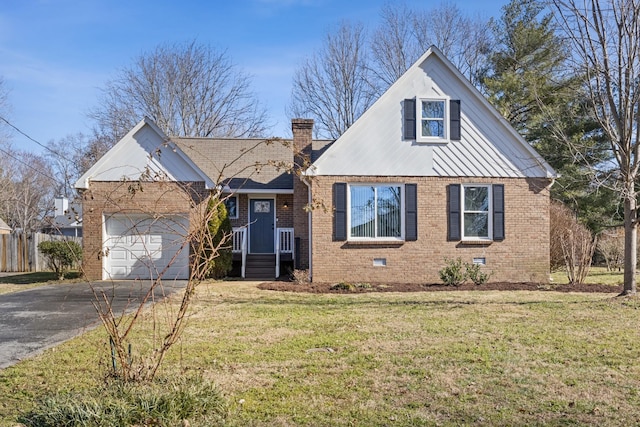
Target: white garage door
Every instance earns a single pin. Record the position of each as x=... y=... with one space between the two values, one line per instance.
x=143 y=247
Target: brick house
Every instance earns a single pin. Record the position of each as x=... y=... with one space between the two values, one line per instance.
x=431 y=171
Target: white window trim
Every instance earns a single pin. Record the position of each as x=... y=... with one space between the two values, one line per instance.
x=402 y=215
x=446 y=122
x=463 y=211
x=237 y=215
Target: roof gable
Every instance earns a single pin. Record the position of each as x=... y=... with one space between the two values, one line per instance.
x=489 y=146
x=145 y=152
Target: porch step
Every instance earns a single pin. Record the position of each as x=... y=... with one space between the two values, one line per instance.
x=260 y=266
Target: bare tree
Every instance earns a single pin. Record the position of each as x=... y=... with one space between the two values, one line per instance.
x=4 y=109
x=605 y=37
x=335 y=86
x=27 y=190
x=465 y=41
x=7 y=172
x=404 y=34
x=66 y=157
x=188 y=89
x=394 y=47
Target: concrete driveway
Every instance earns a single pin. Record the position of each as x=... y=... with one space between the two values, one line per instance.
x=36 y=319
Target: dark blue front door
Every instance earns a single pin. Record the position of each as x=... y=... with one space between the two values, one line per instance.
x=261 y=227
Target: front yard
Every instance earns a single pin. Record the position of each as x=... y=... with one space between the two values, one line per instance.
x=423 y=358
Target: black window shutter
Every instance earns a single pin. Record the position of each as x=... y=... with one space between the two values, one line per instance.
x=411 y=212
x=409 y=119
x=340 y=213
x=454 y=227
x=454 y=119
x=498 y=212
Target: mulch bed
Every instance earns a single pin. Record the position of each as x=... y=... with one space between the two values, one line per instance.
x=322 y=288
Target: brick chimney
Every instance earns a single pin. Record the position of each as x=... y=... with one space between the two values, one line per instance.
x=302 y=146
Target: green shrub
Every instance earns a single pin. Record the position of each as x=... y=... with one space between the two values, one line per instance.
x=476 y=275
x=454 y=273
x=161 y=403
x=220 y=229
x=60 y=255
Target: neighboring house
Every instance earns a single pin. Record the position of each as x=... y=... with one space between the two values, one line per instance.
x=4 y=228
x=67 y=219
x=430 y=172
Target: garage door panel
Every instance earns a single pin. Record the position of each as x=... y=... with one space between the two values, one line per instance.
x=142 y=247
x=118 y=254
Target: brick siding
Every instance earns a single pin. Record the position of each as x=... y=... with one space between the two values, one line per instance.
x=302 y=142
x=522 y=256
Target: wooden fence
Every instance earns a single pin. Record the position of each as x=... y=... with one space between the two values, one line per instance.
x=19 y=251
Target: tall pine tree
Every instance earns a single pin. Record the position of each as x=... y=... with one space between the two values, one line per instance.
x=530 y=84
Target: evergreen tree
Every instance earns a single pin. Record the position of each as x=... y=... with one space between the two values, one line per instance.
x=220 y=232
x=529 y=83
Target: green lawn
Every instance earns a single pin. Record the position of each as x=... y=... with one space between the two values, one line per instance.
x=441 y=358
x=596 y=275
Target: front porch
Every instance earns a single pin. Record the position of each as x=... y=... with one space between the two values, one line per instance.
x=263 y=265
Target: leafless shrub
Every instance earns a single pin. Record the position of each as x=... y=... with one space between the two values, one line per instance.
x=300 y=277
x=611 y=247
x=146 y=359
x=572 y=244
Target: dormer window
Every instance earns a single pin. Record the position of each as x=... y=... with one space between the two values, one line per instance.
x=432 y=120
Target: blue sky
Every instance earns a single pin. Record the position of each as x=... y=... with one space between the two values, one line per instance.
x=56 y=54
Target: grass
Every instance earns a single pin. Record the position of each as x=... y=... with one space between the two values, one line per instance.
x=596 y=275
x=442 y=358
x=22 y=281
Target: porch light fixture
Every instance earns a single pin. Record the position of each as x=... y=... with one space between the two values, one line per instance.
x=285 y=205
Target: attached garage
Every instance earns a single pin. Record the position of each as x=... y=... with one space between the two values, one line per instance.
x=145 y=247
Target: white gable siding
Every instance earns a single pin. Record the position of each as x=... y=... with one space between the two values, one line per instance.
x=143 y=151
x=374 y=145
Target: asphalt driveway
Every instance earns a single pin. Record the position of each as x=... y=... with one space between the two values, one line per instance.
x=38 y=318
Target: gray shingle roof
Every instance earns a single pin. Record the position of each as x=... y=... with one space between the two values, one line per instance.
x=247 y=164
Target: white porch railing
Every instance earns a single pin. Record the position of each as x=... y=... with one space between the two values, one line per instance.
x=240 y=245
x=284 y=245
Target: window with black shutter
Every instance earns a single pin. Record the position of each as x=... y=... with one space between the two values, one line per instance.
x=409 y=130
x=453 y=217
x=475 y=212
x=431 y=120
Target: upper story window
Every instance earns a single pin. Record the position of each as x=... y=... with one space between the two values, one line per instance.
x=476 y=213
x=375 y=212
x=432 y=119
